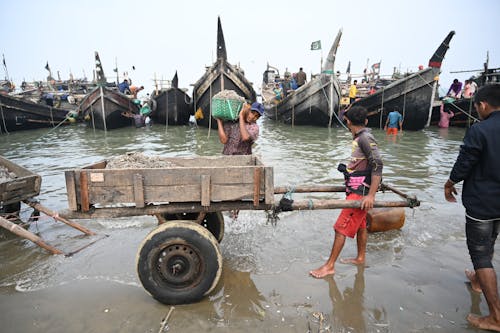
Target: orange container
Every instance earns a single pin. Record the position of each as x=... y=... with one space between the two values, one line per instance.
x=384 y=219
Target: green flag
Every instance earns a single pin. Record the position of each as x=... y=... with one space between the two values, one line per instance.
x=316 y=45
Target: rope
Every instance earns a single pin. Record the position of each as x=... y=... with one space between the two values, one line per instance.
x=3 y=119
x=336 y=116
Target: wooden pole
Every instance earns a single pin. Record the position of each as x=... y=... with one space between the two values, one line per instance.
x=55 y=215
x=309 y=189
x=103 y=111
x=15 y=229
x=433 y=95
x=334 y=204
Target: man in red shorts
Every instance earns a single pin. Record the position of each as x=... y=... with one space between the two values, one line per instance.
x=363 y=176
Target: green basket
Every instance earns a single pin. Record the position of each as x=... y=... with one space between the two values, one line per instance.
x=226 y=109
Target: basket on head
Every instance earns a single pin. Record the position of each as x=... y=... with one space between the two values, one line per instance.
x=226 y=109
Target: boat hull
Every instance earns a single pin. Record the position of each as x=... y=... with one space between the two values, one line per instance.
x=172 y=104
x=102 y=108
x=17 y=114
x=412 y=96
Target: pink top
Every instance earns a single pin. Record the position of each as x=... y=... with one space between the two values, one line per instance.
x=234 y=145
x=444 y=120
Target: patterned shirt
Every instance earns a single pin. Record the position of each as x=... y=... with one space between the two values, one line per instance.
x=236 y=146
x=365 y=154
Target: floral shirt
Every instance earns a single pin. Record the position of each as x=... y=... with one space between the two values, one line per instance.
x=236 y=146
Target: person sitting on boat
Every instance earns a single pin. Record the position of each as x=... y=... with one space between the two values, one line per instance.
x=353 y=91
x=455 y=89
x=134 y=90
x=393 y=122
x=301 y=78
x=124 y=87
x=278 y=92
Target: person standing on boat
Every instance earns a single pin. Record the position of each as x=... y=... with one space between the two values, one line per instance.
x=353 y=91
x=394 y=122
x=362 y=175
x=124 y=86
x=134 y=90
x=239 y=136
x=477 y=166
x=455 y=89
x=301 y=78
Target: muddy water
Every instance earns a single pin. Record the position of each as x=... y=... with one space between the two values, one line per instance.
x=413 y=280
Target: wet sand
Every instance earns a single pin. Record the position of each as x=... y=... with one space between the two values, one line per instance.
x=400 y=289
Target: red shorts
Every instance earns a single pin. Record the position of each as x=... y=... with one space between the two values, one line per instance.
x=351 y=220
x=392 y=131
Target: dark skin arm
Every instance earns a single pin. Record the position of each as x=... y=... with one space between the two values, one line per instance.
x=245 y=136
x=368 y=200
x=450 y=191
x=220 y=131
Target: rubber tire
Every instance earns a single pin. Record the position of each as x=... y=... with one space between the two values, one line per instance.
x=213 y=221
x=193 y=241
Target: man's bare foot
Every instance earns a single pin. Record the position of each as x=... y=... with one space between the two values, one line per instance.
x=484 y=323
x=322 y=272
x=352 y=261
x=474 y=283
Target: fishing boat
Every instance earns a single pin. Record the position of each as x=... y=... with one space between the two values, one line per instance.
x=220 y=76
x=17 y=114
x=314 y=103
x=106 y=108
x=413 y=95
x=171 y=106
x=463 y=108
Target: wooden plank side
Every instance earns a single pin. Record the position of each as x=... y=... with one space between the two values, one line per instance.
x=205 y=190
x=256 y=186
x=17 y=169
x=71 y=189
x=269 y=185
x=139 y=191
x=173 y=176
x=84 y=191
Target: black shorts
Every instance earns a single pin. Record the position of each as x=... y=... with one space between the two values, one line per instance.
x=481 y=237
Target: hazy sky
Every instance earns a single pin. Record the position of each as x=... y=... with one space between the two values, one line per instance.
x=164 y=36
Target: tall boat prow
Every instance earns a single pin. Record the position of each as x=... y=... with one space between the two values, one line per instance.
x=413 y=95
x=103 y=107
x=220 y=76
x=314 y=103
x=437 y=58
x=171 y=105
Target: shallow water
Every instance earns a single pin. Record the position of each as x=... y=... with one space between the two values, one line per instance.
x=413 y=280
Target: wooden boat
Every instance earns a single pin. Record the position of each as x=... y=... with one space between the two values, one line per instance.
x=17 y=114
x=314 y=103
x=103 y=107
x=220 y=76
x=171 y=106
x=413 y=95
x=463 y=109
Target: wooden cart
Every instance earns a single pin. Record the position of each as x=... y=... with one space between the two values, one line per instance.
x=25 y=185
x=180 y=261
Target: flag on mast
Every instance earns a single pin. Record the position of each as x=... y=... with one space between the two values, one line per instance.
x=47 y=66
x=316 y=45
x=3 y=56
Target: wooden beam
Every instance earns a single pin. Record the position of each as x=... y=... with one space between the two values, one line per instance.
x=21 y=232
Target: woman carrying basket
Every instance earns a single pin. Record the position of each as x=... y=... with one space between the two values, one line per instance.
x=239 y=136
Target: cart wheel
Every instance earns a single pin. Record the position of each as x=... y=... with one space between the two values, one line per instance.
x=214 y=222
x=179 y=262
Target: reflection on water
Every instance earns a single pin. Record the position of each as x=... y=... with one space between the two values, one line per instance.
x=264 y=285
